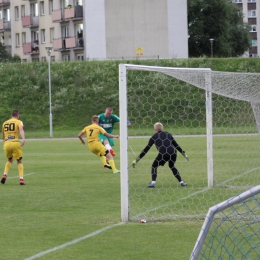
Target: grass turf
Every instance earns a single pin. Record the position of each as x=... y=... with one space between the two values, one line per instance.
x=69 y=195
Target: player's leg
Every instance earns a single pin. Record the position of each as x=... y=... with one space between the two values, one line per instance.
x=156 y=163
x=112 y=162
x=9 y=155
x=111 y=144
x=175 y=170
x=18 y=155
x=103 y=139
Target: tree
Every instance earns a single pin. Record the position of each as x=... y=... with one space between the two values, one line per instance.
x=4 y=55
x=221 y=20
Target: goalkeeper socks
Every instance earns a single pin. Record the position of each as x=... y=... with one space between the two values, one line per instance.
x=7 y=167
x=112 y=164
x=103 y=159
x=154 y=182
x=20 y=170
x=108 y=146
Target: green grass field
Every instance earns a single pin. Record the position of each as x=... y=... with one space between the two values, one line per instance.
x=70 y=201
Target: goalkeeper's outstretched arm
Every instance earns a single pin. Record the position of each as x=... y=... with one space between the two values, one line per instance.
x=175 y=144
x=143 y=153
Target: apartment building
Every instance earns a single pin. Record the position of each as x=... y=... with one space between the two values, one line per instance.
x=251 y=10
x=99 y=29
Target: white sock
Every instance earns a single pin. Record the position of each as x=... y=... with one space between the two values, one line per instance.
x=181 y=181
x=108 y=146
x=5 y=173
x=21 y=178
x=153 y=182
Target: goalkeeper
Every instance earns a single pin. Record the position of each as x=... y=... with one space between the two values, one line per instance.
x=167 y=148
x=107 y=121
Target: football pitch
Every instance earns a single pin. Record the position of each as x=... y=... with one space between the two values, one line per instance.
x=70 y=209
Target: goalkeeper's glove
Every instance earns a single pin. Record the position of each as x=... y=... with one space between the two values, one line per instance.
x=185 y=156
x=134 y=163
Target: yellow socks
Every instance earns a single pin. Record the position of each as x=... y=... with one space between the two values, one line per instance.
x=20 y=170
x=112 y=164
x=103 y=159
x=7 y=167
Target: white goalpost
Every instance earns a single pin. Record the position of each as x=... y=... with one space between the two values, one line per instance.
x=215 y=118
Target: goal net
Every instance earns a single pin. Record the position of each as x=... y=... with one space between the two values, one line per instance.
x=213 y=116
x=231 y=229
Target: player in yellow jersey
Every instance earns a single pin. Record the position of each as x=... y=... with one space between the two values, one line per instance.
x=95 y=146
x=12 y=146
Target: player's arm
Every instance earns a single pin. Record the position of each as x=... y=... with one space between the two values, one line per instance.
x=22 y=135
x=175 y=144
x=111 y=136
x=144 y=152
x=80 y=137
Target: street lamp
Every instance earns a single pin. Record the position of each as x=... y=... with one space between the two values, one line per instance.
x=49 y=49
x=211 y=43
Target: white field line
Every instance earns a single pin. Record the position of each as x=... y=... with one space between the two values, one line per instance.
x=72 y=242
x=19 y=177
x=192 y=194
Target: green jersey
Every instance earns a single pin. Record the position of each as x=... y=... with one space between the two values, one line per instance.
x=108 y=123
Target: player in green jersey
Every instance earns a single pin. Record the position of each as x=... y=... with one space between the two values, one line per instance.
x=107 y=121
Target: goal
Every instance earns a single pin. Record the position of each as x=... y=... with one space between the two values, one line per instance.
x=231 y=229
x=214 y=117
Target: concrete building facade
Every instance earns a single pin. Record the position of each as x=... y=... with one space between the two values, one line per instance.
x=99 y=29
x=251 y=11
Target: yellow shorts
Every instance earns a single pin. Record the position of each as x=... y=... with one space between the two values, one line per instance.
x=97 y=148
x=13 y=149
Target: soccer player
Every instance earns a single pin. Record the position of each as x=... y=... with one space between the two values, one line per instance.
x=12 y=146
x=107 y=121
x=166 y=146
x=92 y=131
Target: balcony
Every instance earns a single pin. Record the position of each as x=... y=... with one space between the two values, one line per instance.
x=31 y=48
x=4 y=2
x=30 y=21
x=5 y=26
x=73 y=13
x=63 y=44
x=57 y=16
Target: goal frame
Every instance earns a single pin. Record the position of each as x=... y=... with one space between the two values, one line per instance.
x=211 y=213
x=123 y=112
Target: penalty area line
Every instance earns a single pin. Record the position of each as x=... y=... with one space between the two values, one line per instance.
x=31 y=173
x=73 y=241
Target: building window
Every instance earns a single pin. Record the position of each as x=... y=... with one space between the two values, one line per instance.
x=43 y=59
x=251 y=13
x=52 y=58
x=237 y=1
x=22 y=10
x=51 y=34
x=65 y=31
x=253 y=55
x=254 y=43
x=17 y=39
x=16 y=11
x=6 y=14
x=251 y=1
x=66 y=57
x=50 y=6
x=43 y=36
x=34 y=9
x=35 y=59
x=253 y=28
x=24 y=37
x=42 y=8
x=80 y=57
x=24 y=60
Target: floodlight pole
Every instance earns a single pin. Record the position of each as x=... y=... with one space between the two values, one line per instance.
x=211 y=46
x=49 y=49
